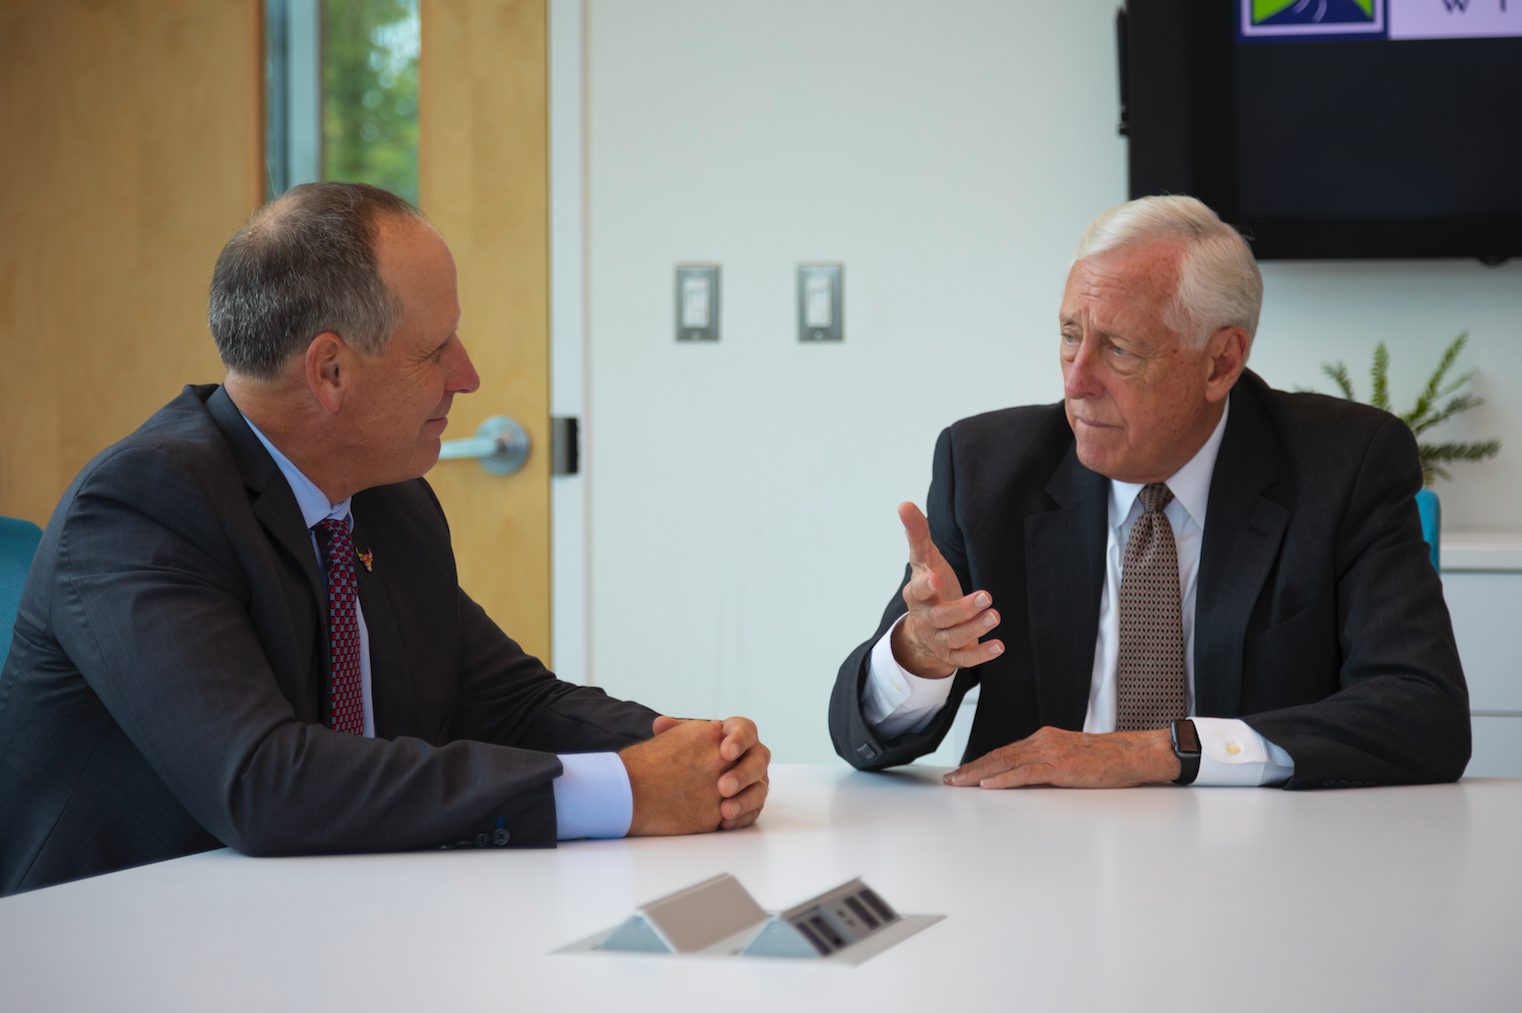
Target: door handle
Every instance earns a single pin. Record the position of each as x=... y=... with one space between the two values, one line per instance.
x=501 y=446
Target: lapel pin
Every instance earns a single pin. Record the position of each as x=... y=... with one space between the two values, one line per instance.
x=367 y=558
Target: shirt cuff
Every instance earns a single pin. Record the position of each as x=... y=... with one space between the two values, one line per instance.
x=894 y=700
x=592 y=796
x=1233 y=755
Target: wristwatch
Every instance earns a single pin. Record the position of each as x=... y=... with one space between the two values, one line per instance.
x=1186 y=746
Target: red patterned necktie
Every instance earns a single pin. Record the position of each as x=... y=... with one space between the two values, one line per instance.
x=1151 y=621
x=347 y=713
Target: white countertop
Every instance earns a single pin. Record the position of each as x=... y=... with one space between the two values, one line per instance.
x=1154 y=898
x=1480 y=550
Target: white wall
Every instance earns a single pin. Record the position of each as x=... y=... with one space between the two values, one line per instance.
x=742 y=531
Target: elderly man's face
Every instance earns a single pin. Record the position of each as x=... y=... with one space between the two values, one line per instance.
x=1140 y=400
x=404 y=394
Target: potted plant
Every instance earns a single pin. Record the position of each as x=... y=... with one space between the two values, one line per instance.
x=1427 y=413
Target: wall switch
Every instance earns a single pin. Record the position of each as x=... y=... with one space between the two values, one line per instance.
x=697 y=302
x=820 y=307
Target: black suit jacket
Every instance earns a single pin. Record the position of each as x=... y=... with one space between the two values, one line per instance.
x=1319 y=618
x=166 y=689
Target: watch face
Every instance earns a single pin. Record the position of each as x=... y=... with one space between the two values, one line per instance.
x=1184 y=735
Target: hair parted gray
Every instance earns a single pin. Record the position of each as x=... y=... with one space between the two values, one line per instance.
x=1219 y=284
x=304 y=264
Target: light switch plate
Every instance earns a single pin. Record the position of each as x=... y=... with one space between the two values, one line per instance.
x=697 y=302
x=821 y=307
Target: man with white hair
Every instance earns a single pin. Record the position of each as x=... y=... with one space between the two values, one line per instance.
x=1176 y=574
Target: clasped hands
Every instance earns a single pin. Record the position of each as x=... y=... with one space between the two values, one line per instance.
x=697 y=776
x=942 y=632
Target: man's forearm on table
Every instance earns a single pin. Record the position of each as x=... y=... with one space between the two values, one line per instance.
x=1232 y=754
x=593 y=797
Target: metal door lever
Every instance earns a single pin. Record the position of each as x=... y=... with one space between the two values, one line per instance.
x=500 y=444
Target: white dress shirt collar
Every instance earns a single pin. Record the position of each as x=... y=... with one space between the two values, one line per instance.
x=1190 y=484
x=313 y=503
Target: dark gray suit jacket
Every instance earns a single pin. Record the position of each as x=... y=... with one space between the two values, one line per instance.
x=1319 y=618
x=167 y=686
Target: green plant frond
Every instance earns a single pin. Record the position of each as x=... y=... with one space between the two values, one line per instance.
x=1380 y=373
x=1446 y=452
x=1435 y=455
x=1339 y=375
x=1462 y=403
x=1450 y=356
x=1417 y=418
x=1435 y=390
x=1425 y=414
x=1454 y=385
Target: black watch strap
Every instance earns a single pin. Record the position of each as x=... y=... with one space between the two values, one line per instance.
x=1186 y=746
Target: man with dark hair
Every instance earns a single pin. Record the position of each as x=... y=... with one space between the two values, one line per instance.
x=1297 y=638
x=244 y=626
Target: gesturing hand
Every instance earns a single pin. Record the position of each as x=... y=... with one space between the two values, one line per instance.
x=940 y=633
x=696 y=776
x=1074 y=760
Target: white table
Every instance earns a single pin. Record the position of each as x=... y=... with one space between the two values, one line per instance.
x=1157 y=898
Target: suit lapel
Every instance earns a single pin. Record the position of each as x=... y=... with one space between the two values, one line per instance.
x=1064 y=551
x=1243 y=532
x=274 y=506
x=390 y=685
x=273 y=502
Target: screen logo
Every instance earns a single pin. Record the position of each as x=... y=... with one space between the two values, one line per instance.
x=1311 y=19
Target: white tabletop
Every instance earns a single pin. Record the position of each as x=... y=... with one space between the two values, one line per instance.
x=1160 y=898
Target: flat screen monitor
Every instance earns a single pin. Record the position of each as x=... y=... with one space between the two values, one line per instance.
x=1333 y=128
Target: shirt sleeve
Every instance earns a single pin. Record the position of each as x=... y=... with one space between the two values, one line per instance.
x=1232 y=754
x=592 y=796
x=895 y=701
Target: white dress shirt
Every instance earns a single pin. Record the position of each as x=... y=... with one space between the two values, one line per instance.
x=592 y=795
x=895 y=701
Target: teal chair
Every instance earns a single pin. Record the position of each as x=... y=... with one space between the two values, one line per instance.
x=18 y=543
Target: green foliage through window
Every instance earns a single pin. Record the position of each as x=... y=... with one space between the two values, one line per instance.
x=369 y=93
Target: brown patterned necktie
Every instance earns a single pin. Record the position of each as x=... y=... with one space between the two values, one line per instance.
x=1151 y=621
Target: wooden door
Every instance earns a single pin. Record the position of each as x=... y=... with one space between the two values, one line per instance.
x=483 y=180
x=133 y=151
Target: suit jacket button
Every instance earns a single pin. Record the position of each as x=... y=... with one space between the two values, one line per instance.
x=1342 y=784
x=500 y=837
x=1328 y=783
x=482 y=840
